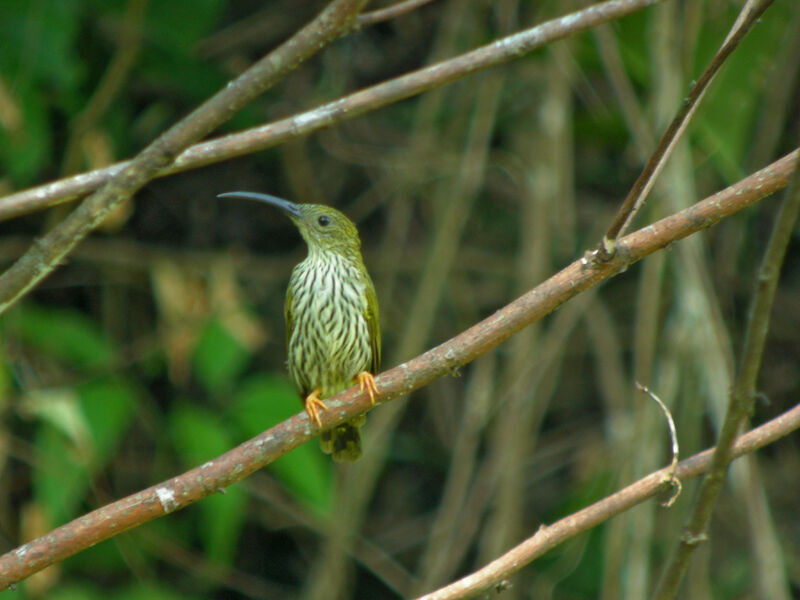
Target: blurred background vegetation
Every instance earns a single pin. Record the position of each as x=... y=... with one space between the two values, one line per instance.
x=161 y=343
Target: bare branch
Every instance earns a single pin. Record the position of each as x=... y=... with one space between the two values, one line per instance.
x=347 y=107
x=185 y=489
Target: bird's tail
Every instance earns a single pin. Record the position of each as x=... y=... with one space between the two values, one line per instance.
x=343 y=442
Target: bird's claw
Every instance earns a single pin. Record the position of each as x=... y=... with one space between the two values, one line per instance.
x=313 y=405
x=366 y=380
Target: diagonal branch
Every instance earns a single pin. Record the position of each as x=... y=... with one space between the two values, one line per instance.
x=185 y=489
x=49 y=250
x=347 y=107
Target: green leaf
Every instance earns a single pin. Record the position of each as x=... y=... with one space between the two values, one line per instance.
x=39 y=42
x=261 y=402
x=199 y=436
x=103 y=560
x=26 y=149
x=64 y=334
x=61 y=408
x=726 y=117
x=108 y=404
x=171 y=59
x=41 y=67
x=218 y=358
x=75 y=591
x=77 y=435
x=6 y=381
x=148 y=591
x=61 y=477
x=179 y=26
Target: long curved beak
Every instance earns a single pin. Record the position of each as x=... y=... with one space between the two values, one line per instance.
x=288 y=207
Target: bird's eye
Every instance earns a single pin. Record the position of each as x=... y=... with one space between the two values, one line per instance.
x=324 y=220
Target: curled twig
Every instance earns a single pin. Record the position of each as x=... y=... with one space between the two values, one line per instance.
x=670 y=476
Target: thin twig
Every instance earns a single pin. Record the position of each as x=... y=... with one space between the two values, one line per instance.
x=390 y=12
x=549 y=536
x=742 y=397
x=48 y=251
x=644 y=183
x=677 y=486
x=187 y=488
x=269 y=135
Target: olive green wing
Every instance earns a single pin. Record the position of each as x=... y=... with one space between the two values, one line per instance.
x=373 y=326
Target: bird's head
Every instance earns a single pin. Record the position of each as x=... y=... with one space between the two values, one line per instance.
x=324 y=229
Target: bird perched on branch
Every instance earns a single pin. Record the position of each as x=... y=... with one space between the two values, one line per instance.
x=333 y=338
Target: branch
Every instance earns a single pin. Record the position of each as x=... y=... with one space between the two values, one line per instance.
x=185 y=489
x=644 y=183
x=347 y=107
x=550 y=536
x=742 y=397
x=48 y=251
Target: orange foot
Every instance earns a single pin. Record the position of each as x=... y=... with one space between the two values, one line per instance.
x=366 y=380
x=313 y=405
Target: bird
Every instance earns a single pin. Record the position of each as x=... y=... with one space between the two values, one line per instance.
x=333 y=337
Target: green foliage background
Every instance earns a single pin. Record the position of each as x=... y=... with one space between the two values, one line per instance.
x=160 y=344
